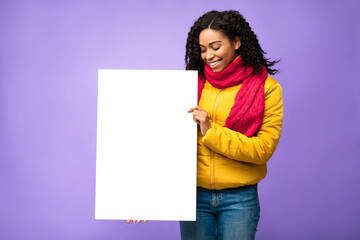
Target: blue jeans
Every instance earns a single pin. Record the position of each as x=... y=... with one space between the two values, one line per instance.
x=228 y=214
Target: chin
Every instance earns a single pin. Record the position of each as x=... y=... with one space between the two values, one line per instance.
x=218 y=69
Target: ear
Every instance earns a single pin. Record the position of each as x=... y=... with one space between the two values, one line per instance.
x=237 y=43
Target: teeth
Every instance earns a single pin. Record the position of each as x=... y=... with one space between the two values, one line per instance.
x=214 y=63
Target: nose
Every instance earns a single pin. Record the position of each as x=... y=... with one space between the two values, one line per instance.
x=209 y=54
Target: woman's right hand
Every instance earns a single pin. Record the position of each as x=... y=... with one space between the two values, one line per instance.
x=137 y=221
x=201 y=117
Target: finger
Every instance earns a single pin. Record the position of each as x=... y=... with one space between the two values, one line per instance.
x=196 y=120
x=202 y=115
x=128 y=221
x=199 y=119
x=145 y=221
x=133 y=221
x=192 y=109
x=138 y=221
x=198 y=114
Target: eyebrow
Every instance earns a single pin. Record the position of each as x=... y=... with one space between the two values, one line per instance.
x=210 y=43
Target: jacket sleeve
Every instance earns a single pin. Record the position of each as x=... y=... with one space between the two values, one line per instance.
x=259 y=148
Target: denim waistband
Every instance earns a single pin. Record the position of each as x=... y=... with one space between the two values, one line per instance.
x=200 y=189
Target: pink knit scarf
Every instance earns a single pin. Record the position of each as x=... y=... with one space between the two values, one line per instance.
x=247 y=113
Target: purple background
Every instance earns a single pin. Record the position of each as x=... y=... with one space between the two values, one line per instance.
x=50 y=53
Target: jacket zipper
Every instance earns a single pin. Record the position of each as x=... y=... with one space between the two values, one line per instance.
x=212 y=153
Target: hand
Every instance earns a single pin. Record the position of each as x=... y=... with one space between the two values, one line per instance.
x=201 y=117
x=137 y=221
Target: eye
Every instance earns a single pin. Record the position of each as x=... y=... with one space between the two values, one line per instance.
x=202 y=50
x=215 y=49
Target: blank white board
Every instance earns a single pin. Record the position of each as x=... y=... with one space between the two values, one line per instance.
x=146 y=145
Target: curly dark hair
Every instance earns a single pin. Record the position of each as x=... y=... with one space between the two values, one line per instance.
x=232 y=24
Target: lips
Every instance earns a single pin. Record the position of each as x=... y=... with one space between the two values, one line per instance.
x=214 y=63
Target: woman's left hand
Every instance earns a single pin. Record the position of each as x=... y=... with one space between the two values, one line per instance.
x=137 y=221
x=201 y=117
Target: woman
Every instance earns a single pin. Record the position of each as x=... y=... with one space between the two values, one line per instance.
x=239 y=114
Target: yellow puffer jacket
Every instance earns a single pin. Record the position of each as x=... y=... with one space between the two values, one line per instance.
x=227 y=158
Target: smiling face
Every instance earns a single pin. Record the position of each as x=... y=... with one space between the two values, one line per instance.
x=216 y=49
